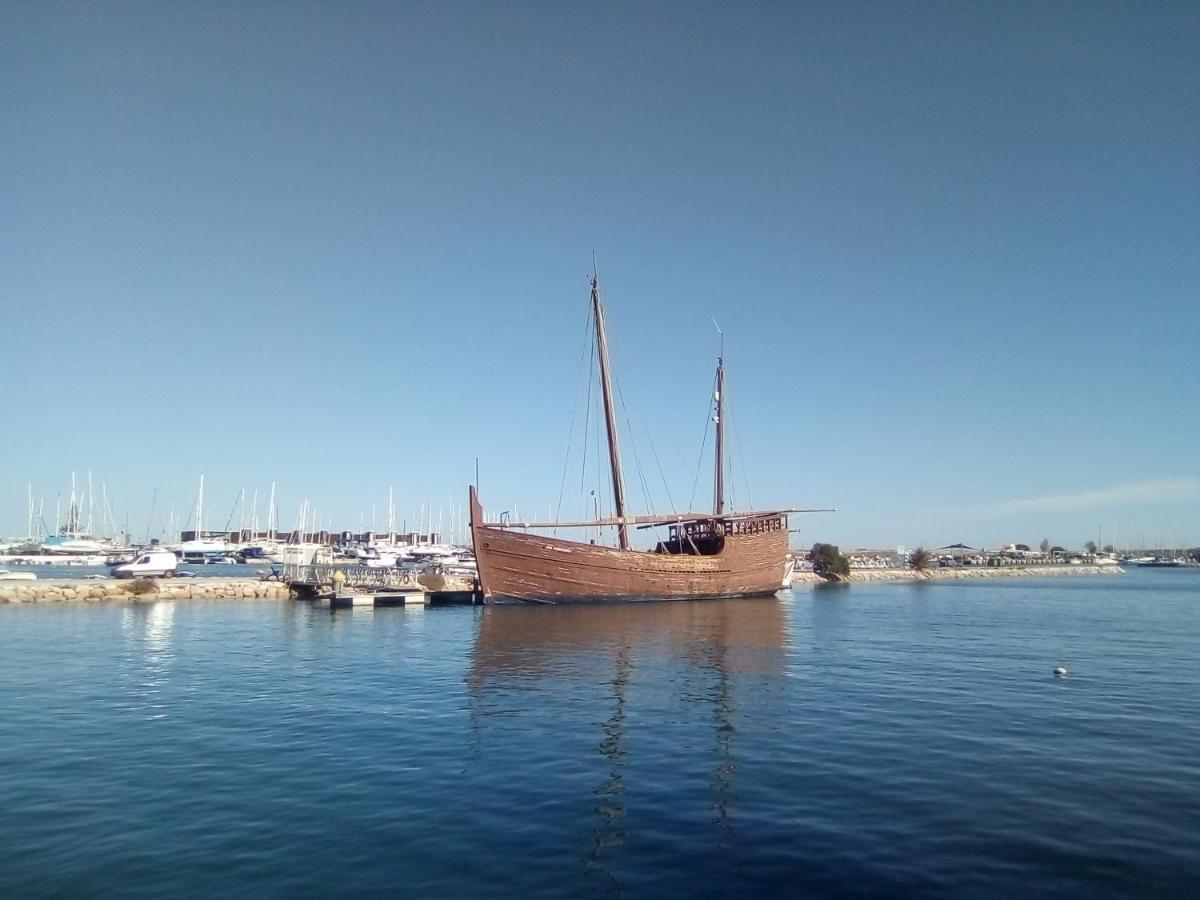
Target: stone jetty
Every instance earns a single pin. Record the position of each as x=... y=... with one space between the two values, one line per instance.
x=955 y=572
x=127 y=591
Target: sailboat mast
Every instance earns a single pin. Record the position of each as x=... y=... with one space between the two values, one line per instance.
x=610 y=419
x=719 y=454
x=200 y=511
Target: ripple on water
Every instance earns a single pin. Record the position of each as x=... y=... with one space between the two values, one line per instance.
x=878 y=741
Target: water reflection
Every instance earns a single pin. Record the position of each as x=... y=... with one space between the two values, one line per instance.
x=151 y=626
x=525 y=641
x=519 y=650
x=149 y=632
x=610 y=807
x=723 y=710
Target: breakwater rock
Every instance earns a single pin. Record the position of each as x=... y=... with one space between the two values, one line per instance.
x=948 y=574
x=127 y=591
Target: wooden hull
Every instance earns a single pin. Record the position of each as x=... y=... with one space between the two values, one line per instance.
x=525 y=566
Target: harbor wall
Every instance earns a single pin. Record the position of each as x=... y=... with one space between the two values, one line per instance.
x=74 y=591
x=955 y=572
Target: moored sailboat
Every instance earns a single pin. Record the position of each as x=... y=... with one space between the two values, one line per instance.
x=705 y=555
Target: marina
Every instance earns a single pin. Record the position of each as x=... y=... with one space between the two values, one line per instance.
x=718 y=735
x=600 y=450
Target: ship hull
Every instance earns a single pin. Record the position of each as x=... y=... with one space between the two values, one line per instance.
x=523 y=566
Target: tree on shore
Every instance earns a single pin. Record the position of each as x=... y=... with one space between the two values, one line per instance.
x=828 y=562
x=920 y=561
x=1090 y=546
x=1044 y=546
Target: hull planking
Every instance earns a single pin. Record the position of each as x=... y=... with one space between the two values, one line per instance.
x=531 y=567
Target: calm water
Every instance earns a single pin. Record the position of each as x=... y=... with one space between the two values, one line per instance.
x=889 y=739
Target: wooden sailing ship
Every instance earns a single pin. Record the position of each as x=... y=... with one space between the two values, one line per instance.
x=705 y=555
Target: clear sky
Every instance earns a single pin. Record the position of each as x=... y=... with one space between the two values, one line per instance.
x=954 y=247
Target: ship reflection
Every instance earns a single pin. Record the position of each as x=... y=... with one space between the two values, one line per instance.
x=530 y=641
x=672 y=645
x=607 y=834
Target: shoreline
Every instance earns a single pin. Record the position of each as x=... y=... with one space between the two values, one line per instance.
x=76 y=591
x=955 y=573
x=66 y=590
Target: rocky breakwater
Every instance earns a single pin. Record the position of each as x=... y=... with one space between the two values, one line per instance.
x=956 y=572
x=140 y=590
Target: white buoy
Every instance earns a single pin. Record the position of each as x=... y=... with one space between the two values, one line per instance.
x=1060 y=671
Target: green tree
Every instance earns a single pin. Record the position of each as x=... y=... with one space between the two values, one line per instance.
x=920 y=561
x=1090 y=546
x=828 y=562
x=1044 y=546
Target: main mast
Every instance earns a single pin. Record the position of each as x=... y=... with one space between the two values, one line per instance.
x=719 y=454
x=610 y=419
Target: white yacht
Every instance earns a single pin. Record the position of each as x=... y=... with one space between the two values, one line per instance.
x=6 y=575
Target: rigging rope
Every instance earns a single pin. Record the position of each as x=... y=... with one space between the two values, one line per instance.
x=741 y=457
x=703 y=442
x=632 y=443
x=586 y=420
x=618 y=350
x=598 y=493
x=574 y=411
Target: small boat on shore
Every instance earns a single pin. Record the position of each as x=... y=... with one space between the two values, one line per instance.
x=6 y=575
x=722 y=554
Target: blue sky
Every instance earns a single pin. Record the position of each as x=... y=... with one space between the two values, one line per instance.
x=954 y=249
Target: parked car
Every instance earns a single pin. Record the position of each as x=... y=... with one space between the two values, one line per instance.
x=160 y=563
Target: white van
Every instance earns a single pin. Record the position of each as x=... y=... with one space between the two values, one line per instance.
x=148 y=564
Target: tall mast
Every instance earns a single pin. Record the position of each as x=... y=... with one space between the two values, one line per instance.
x=719 y=454
x=610 y=419
x=150 y=517
x=200 y=510
x=73 y=512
